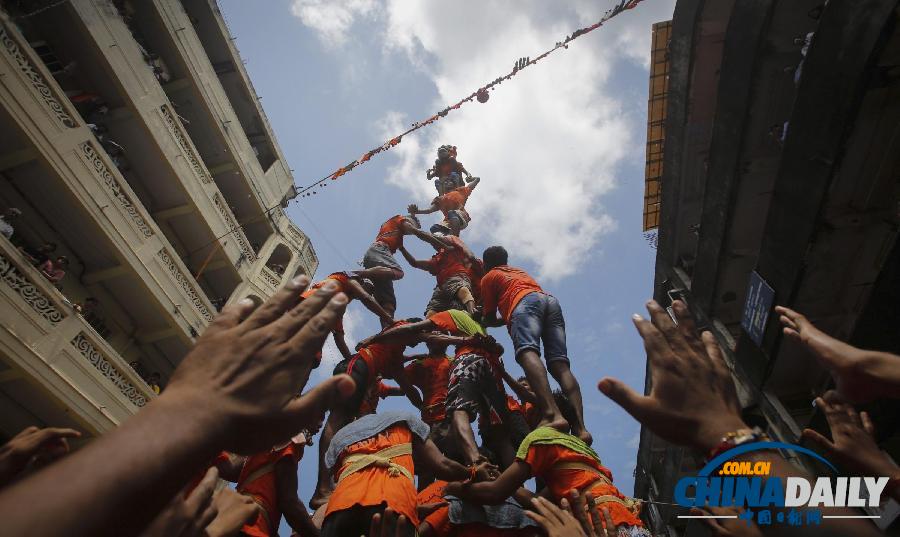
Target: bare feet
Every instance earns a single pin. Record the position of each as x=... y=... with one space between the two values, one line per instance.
x=585 y=436
x=558 y=423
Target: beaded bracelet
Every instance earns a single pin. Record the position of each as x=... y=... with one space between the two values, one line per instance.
x=737 y=438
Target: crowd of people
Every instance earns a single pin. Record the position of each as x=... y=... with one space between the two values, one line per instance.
x=235 y=410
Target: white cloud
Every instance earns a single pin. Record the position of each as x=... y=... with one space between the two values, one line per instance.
x=332 y=18
x=549 y=144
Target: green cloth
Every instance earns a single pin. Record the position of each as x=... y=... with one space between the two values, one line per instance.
x=549 y=435
x=466 y=323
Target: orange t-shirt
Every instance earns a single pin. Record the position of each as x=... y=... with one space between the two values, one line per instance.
x=373 y=397
x=449 y=262
x=453 y=200
x=444 y=321
x=431 y=375
x=542 y=458
x=439 y=520
x=503 y=287
x=373 y=485
x=383 y=358
x=263 y=489
x=390 y=233
x=342 y=281
x=532 y=417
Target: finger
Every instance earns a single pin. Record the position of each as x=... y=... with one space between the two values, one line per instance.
x=375 y=525
x=205 y=519
x=60 y=432
x=201 y=497
x=663 y=322
x=274 y=308
x=714 y=351
x=580 y=510
x=230 y=316
x=553 y=511
x=655 y=343
x=639 y=406
x=787 y=322
x=686 y=325
x=539 y=520
x=595 y=512
x=388 y=523
x=608 y=522
x=301 y=314
x=401 y=526
x=308 y=409
x=867 y=423
x=816 y=438
x=309 y=339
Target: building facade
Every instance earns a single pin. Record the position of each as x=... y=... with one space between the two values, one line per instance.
x=778 y=185
x=132 y=144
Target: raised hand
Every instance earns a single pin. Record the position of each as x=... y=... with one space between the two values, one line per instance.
x=595 y=520
x=852 y=443
x=556 y=522
x=860 y=375
x=388 y=525
x=692 y=398
x=33 y=446
x=249 y=366
x=187 y=516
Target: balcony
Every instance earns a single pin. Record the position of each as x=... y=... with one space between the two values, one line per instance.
x=47 y=349
x=73 y=193
x=115 y=90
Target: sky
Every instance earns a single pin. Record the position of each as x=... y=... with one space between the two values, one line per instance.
x=560 y=150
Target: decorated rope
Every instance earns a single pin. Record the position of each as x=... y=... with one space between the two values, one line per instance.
x=481 y=95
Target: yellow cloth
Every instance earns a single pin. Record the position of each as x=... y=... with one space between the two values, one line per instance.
x=382 y=458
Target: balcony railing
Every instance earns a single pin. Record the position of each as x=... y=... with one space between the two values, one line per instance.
x=74 y=354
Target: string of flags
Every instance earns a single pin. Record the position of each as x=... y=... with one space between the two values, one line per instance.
x=481 y=95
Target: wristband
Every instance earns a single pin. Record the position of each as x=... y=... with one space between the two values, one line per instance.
x=473 y=471
x=737 y=438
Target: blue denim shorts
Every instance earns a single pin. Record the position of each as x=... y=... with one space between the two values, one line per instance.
x=538 y=317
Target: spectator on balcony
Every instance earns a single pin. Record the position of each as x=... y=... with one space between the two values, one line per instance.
x=6 y=221
x=153 y=381
x=88 y=310
x=277 y=269
x=54 y=270
x=38 y=256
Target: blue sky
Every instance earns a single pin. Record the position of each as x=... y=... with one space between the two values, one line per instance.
x=560 y=150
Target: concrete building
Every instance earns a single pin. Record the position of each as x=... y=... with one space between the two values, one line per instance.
x=133 y=140
x=779 y=185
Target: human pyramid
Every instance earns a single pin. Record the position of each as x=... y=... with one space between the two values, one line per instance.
x=366 y=459
x=233 y=409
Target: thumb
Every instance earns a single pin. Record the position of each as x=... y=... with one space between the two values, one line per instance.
x=310 y=407
x=816 y=438
x=635 y=404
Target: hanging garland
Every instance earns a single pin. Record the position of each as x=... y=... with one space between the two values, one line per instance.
x=481 y=95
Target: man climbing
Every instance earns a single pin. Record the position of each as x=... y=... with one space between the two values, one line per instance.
x=452 y=205
x=447 y=169
x=354 y=287
x=373 y=461
x=270 y=480
x=430 y=373
x=453 y=266
x=564 y=463
x=532 y=316
x=379 y=263
x=475 y=385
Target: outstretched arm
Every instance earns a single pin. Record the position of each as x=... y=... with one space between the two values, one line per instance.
x=358 y=292
x=235 y=391
x=493 y=492
x=414 y=209
x=430 y=456
x=421 y=264
x=406 y=388
x=520 y=391
x=474 y=182
x=424 y=235
x=398 y=334
x=290 y=505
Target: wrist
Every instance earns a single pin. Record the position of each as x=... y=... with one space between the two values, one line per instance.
x=711 y=435
x=196 y=418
